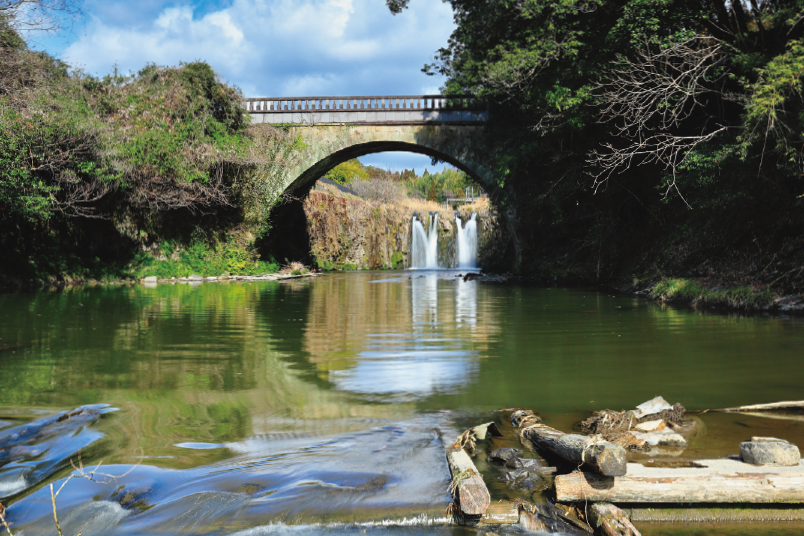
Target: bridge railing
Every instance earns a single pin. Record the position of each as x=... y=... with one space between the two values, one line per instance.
x=375 y=103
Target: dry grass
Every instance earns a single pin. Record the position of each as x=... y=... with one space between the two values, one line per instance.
x=295 y=268
x=420 y=205
x=480 y=205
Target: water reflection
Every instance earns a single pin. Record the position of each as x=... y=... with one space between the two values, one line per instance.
x=301 y=401
x=423 y=345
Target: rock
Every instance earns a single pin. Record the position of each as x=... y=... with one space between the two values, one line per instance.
x=652 y=406
x=504 y=455
x=150 y=279
x=665 y=438
x=224 y=277
x=211 y=279
x=531 y=483
x=523 y=463
x=513 y=476
x=195 y=277
x=651 y=426
x=769 y=451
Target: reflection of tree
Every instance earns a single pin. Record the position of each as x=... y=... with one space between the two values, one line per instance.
x=182 y=363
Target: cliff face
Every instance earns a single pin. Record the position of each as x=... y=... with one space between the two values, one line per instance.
x=352 y=233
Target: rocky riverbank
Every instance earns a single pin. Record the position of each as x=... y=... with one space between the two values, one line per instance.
x=197 y=279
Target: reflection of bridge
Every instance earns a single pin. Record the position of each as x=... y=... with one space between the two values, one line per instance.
x=392 y=110
x=337 y=129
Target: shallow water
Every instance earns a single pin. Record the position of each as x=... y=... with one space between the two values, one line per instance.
x=325 y=405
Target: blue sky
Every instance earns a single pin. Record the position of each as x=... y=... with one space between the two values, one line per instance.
x=270 y=48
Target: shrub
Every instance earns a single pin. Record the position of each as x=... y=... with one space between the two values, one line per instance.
x=379 y=189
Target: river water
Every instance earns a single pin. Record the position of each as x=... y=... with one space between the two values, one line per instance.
x=325 y=405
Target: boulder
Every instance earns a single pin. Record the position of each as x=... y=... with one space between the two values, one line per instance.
x=769 y=451
x=195 y=277
x=150 y=279
x=211 y=279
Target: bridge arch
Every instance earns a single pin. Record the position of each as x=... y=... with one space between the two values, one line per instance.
x=328 y=146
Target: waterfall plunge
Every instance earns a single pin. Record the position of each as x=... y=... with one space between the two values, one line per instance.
x=424 y=250
x=467 y=242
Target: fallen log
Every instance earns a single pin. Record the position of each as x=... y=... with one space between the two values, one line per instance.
x=709 y=481
x=792 y=404
x=609 y=520
x=590 y=452
x=467 y=486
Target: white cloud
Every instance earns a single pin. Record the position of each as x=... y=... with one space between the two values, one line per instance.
x=279 y=47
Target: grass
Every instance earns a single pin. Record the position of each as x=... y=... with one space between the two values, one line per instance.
x=690 y=291
x=201 y=258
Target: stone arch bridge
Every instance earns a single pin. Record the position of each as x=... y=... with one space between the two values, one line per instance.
x=337 y=129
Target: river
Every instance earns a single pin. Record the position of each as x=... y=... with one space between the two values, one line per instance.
x=325 y=405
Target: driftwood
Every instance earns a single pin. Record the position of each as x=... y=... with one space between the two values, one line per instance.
x=592 y=453
x=467 y=486
x=550 y=518
x=611 y=521
x=711 y=481
x=792 y=404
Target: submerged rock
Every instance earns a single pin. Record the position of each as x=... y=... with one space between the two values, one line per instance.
x=523 y=463
x=504 y=455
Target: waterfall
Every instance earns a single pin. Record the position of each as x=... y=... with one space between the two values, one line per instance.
x=424 y=247
x=467 y=242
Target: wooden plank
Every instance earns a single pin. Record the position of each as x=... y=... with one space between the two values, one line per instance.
x=663 y=485
x=467 y=486
x=600 y=456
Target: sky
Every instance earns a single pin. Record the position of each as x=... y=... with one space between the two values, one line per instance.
x=270 y=48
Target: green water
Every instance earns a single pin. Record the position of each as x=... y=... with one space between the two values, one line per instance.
x=328 y=399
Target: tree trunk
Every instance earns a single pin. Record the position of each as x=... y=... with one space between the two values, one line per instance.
x=600 y=456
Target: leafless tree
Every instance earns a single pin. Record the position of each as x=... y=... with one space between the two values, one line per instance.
x=660 y=103
x=39 y=15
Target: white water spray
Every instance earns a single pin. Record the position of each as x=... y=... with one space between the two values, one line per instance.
x=467 y=242
x=424 y=247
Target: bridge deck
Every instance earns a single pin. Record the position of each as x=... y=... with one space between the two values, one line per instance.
x=401 y=110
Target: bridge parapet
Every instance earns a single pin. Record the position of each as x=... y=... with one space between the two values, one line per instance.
x=377 y=110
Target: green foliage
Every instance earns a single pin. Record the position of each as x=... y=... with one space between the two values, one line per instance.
x=690 y=291
x=349 y=171
x=158 y=153
x=396 y=260
x=774 y=115
x=22 y=195
x=228 y=256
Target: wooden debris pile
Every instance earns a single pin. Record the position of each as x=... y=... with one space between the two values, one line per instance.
x=593 y=472
x=653 y=423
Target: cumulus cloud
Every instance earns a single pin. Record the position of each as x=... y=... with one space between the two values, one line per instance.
x=273 y=47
